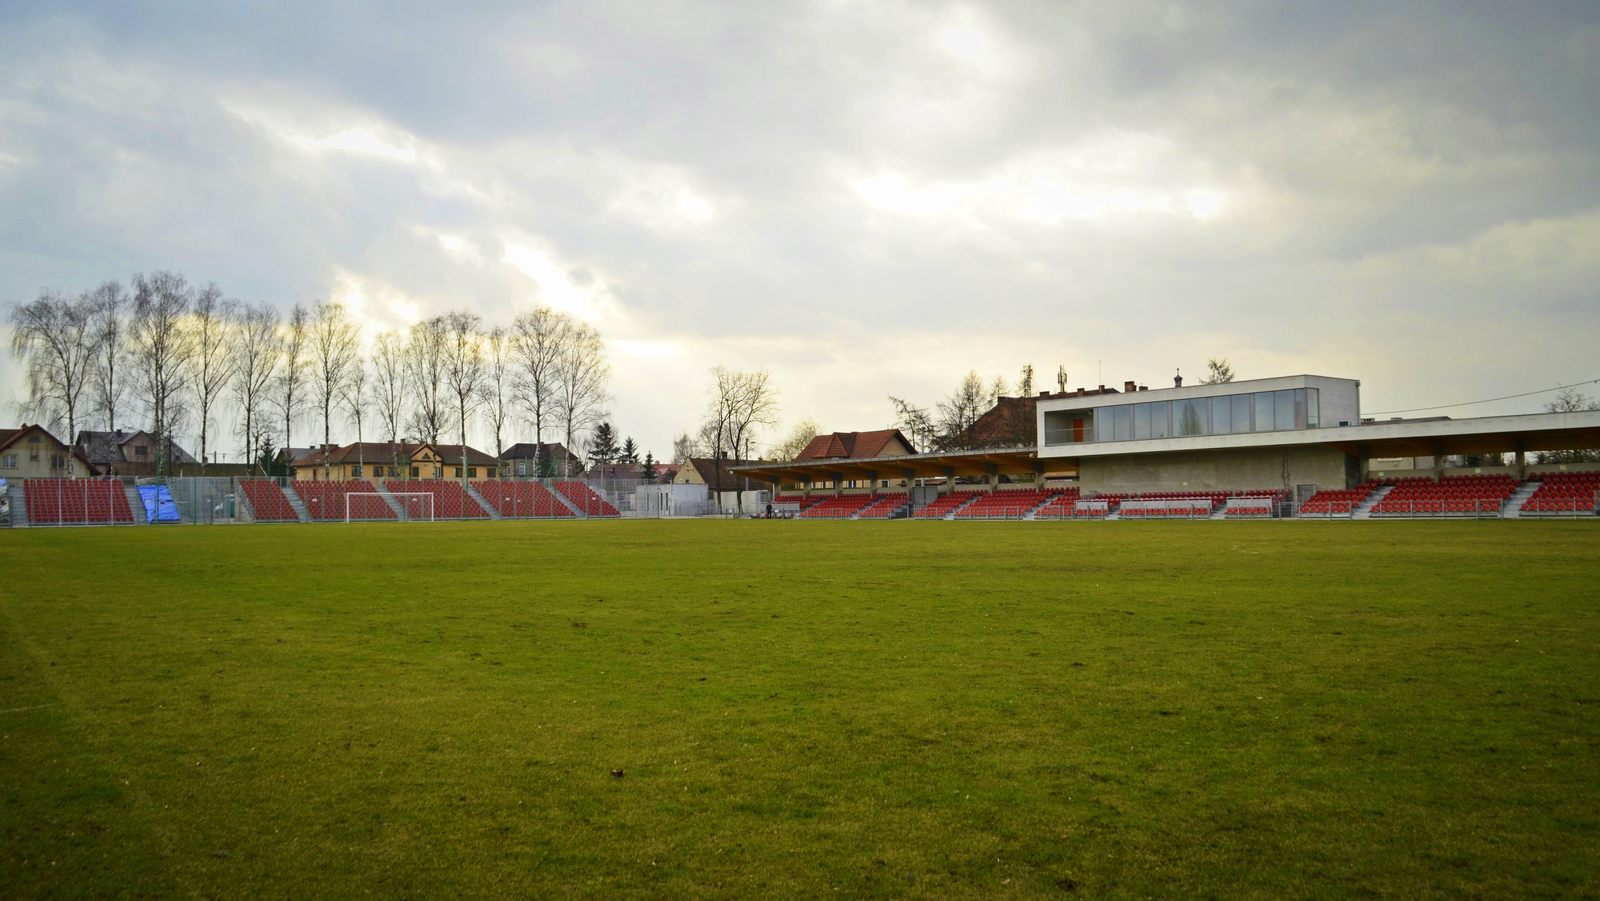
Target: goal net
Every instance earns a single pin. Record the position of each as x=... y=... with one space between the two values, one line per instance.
x=407 y=506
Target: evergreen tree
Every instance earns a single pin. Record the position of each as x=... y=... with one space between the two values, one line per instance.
x=649 y=473
x=603 y=446
x=630 y=452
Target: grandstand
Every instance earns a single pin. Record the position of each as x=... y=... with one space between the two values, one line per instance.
x=1453 y=495
x=521 y=499
x=450 y=499
x=60 y=502
x=325 y=501
x=266 y=501
x=843 y=506
x=1006 y=504
x=886 y=506
x=1564 y=493
x=585 y=500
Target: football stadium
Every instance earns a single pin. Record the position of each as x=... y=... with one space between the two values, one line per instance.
x=1377 y=678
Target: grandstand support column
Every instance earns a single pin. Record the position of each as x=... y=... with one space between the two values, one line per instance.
x=1521 y=458
x=949 y=480
x=872 y=483
x=1438 y=460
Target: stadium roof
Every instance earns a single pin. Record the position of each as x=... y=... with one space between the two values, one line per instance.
x=990 y=461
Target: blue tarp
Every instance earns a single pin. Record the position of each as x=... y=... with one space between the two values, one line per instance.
x=158 y=505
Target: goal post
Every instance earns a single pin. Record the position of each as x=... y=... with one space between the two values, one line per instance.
x=366 y=506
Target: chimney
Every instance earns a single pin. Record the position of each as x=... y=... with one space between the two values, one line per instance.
x=1102 y=389
x=1128 y=387
x=1044 y=394
x=1080 y=392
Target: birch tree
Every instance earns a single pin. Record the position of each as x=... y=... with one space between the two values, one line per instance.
x=744 y=403
x=353 y=399
x=210 y=323
x=333 y=353
x=54 y=337
x=159 y=346
x=581 y=374
x=108 y=306
x=293 y=363
x=464 y=371
x=537 y=341
x=255 y=361
x=425 y=374
x=389 y=387
x=498 y=388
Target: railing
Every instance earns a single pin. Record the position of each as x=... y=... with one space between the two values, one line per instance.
x=1480 y=508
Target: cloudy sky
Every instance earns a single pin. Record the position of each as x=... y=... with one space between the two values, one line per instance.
x=867 y=198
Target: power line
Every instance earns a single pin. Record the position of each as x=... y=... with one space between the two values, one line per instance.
x=1488 y=400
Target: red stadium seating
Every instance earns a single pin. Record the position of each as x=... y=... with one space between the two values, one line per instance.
x=841 y=506
x=885 y=506
x=54 y=502
x=1005 y=504
x=1475 y=495
x=450 y=500
x=945 y=503
x=325 y=501
x=267 y=501
x=521 y=500
x=1337 y=502
x=585 y=499
x=1566 y=493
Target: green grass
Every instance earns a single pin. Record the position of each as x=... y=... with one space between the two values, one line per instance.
x=1021 y=709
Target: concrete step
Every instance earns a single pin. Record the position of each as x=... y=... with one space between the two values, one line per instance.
x=1364 y=511
x=19 y=504
x=136 y=504
x=478 y=499
x=1513 y=506
x=299 y=505
x=951 y=513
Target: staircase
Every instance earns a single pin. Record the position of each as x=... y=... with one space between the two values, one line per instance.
x=19 y=505
x=399 y=513
x=567 y=502
x=1364 y=511
x=478 y=499
x=951 y=513
x=136 y=503
x=299 y=505
x=1513 y=505
x=1039 y=506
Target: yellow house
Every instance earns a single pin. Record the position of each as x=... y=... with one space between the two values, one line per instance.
x=379 y=460
x=31 y=452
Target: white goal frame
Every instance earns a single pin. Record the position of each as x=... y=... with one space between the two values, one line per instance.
x=400 y=496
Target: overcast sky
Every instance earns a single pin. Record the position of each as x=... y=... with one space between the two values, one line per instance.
x=867 y=198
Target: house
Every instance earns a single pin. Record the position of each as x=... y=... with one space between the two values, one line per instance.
x=519 y=462
x=1012 y=421
x=31 y=452
x=634 y=472
x=856 y=446
x=128 y=453
x=401 y=460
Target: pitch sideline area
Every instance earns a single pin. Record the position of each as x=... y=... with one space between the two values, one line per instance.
x=745 y=709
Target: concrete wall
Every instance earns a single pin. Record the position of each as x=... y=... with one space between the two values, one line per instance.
x=1283 y=467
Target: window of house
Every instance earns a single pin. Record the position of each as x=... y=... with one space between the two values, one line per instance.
x=355 y=471
x=141 y=451
x=9 y=461
x=522 y=467
x=458 y=472
x=472 y=472
x=414 y=472
x=58 y=462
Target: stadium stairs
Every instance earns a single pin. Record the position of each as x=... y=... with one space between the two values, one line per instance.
x=297 y=504
x=1365 y=510
x=1519 y=498
x=585 y=501
x=945 y=506
x=1563 y=494
x=886 y=506
x=472 y=492
x=136 y=504
x=264 y=501
x=1010 y=504
x=19 y=504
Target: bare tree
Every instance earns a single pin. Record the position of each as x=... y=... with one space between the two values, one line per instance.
x=54 y=336
x=915 y=422
x=389 y=387
x=255 y=361
x=292 y=365
x=804 y=431
x=1025 y=381
x=958 y=413
x=353 y=398
x=211 y=326
x=1571 y=400
x=581 y=374
x=1218 y=371
x=998 y=390
x=333 y=353
x=425 y=372
x=464 y=371
x=498 y=388
x=743 y=403
x=537 y=340
x=159 y=344
x=108 y=303
x=684 y=447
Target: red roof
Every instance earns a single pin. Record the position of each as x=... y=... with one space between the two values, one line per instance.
x=852 y=445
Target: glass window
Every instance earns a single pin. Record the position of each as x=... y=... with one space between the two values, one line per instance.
x=10 y=461
x=1313 y=415
x=472 y=472
x=1283 y=403
x=1122 y=423
x=1141 y=421
x=1160 y=419
x=1193 y=415
x=1241 y=412
x=1221 y=416
x=355 y=472
x=1102 y=424
x=1265 y=421
x=413 y=472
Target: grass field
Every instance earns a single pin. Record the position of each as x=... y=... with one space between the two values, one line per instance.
x=802 y=708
